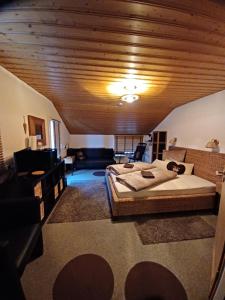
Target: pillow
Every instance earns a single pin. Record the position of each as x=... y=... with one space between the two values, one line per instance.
x=160 y=164
x=179 y=168
x=177 y=155
x=80 y=155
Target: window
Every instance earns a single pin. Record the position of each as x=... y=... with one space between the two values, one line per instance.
x=127 y=143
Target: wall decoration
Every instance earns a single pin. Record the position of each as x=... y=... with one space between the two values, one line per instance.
x=24 y=125
x=37 y=128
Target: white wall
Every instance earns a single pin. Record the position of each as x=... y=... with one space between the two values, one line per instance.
x=17 y=99
x=195 y=123
x=91 y=141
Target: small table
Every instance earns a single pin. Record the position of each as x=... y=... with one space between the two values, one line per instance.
x=70 y=160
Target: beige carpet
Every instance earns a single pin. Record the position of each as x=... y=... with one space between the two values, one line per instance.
x=161 y=229
x=85 y=201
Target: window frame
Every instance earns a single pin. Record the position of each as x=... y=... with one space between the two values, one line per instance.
x=123 y=137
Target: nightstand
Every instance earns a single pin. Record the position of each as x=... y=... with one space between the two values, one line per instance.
x=219 y=187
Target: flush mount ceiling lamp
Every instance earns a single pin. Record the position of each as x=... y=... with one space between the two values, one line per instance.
x=127 y=87
x=130 y=98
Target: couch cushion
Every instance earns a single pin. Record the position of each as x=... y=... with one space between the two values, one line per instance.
x=94 y=163
x=108 y=153
x=71 y=151
x=80 y=155
x=93 y=153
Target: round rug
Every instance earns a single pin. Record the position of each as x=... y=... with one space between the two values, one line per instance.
x=149 y=280
x=86 y=277
x=99 y=173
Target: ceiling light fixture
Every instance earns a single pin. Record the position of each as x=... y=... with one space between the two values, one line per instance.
x=128 y=87
x=130 y=98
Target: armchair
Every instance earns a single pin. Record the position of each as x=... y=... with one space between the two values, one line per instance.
x=139 y=152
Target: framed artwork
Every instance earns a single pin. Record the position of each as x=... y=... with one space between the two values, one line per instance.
x=37 y=128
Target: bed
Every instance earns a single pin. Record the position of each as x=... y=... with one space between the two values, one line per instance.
x=184 y=193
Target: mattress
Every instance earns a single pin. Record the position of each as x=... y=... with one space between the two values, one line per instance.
x=181 y=185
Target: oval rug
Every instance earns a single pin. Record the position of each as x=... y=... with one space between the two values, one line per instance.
x=86 y=277
x=99 y=173
x=148 y=280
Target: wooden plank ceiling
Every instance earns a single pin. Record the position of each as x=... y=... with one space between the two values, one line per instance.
x=71 y=51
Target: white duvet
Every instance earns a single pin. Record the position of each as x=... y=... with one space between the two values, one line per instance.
x=181 y=185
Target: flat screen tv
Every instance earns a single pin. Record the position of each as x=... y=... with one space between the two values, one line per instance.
x=28 y=160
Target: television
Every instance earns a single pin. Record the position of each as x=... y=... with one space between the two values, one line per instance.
x=28 y=160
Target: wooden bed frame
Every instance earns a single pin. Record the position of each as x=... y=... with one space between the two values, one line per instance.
x=205 y=166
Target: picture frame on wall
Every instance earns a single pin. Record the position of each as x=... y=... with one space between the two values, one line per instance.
x=37 y=128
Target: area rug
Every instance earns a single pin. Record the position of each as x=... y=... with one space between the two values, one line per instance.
x=149 y=280
x=99 y=173
x=86 y=277
x=172 y=229
x=82 y=202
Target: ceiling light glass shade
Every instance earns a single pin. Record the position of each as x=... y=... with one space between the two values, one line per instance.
x=127 y=86
x=129 y=98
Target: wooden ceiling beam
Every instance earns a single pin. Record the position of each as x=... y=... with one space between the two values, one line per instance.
x=113 y=74
x=85 y=64
x=141 y=54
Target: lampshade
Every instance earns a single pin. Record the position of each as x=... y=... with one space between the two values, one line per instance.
x=129 y=98
x=33 y=142
x=213 y=143
x=173 y=141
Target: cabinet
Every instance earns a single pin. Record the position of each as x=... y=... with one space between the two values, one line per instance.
x=46 y=188
x=158 y=144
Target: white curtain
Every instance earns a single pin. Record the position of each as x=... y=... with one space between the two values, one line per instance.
x=55 y=136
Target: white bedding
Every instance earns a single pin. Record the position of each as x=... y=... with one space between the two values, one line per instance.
x=181 y=185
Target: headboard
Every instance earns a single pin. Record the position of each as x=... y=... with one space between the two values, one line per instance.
x=205 y=163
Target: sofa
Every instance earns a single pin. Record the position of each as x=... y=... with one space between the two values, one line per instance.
x=92 y=158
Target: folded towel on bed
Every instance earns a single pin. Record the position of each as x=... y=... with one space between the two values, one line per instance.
x=135 y=181
x=119 y=169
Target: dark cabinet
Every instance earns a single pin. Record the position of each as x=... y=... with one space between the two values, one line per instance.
x=49 y=187
x=46 y=188
x=158 y=144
